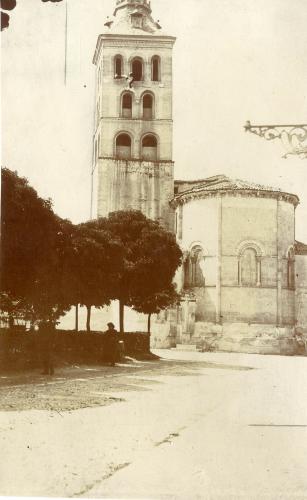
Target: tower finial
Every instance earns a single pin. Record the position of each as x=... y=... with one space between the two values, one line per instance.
x=120 y=4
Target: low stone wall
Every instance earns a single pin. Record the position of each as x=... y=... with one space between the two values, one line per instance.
x=21 y=350
x=236 y=337
x=250 y=338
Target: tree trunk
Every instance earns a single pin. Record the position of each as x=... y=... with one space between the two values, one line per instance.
x=121 y=316
x=148 y=323
x=77 y=318
x=88 y=318
x=148 y=331
x=11 y=321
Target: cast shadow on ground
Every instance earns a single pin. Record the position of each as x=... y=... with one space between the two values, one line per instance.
x=73 y=389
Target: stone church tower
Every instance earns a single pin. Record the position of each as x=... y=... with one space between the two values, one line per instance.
x=132 y=158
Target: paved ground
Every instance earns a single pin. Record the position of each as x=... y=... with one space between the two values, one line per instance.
x=191 y=426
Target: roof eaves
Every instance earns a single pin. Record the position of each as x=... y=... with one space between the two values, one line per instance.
x=300 y=248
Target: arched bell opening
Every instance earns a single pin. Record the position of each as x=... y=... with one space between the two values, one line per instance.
x=123 y=146
x=127 y=105
x=147 y=107
x=149 y=148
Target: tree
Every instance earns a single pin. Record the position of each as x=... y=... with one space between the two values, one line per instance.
x=91 y=264
x=151 y=257
x=12 y=308
x=32 y=242
x=5 y=18
x=156 y=302
x=10 y=5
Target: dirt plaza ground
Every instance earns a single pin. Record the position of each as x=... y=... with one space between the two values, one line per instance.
x=192 y=425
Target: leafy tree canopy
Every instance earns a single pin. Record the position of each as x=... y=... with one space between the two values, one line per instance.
x=48 y=264
x=32 y=241
x=10 y=5
x=151 y=257
x=29 y=230
x=91 y=266
x=155 y=302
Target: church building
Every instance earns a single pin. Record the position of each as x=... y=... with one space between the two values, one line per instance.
x=243 y=281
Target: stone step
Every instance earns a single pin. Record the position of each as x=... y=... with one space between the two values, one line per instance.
x=186 y=347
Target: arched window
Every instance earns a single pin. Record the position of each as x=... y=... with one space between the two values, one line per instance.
x=155 y=69
x=291 y=269
x=149 y=147
x=248 y=267
x=249 y=263
x=196 y=258
x=193 y=268
x=137 y=69
x=118 y=66
x=147 y=107
x=127 y=105
x=123 y=146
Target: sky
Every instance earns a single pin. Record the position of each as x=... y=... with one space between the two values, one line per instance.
x=234 y=60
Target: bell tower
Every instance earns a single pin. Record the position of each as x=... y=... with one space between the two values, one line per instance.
x=132 y=156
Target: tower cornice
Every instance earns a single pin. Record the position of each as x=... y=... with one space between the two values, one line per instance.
x=115 y=36
x=188 y=196
x=141 y=4
x=119 y=40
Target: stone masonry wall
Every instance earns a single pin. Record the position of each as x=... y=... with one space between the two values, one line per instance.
x=134 y=183
x=138 y=185
x=269 y=224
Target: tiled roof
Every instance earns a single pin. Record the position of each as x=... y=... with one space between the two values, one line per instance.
x=300 y=248
x=221 y=183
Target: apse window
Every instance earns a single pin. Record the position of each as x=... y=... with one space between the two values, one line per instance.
x=196 y=271
x=248 y=264
x=123 y=146
x=149 y=148
x=194 y=268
